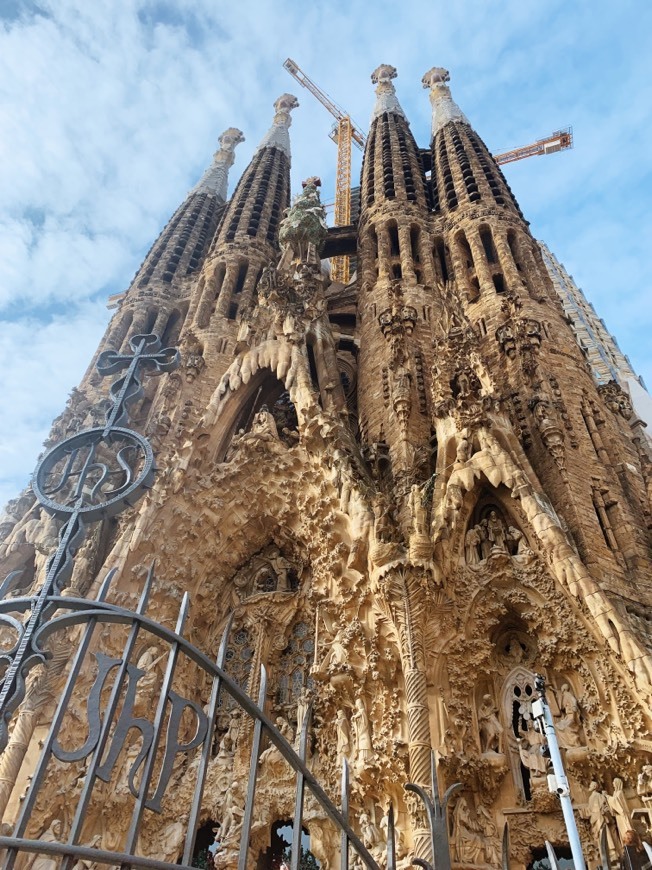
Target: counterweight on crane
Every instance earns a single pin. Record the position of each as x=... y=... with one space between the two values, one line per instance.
x=344 y=132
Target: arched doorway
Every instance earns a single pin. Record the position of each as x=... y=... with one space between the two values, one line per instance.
x=279 y=849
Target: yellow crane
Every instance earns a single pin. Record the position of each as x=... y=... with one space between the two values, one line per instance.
x=344 y=132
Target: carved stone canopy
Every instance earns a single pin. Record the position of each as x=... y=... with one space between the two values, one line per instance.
x=266 y=572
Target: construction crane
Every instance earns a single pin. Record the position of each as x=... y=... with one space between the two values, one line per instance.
x=344 y=132
x=558 y=141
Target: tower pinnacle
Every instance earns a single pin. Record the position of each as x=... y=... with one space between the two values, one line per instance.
x=215 y=178
x=386 y=99
x=444 y=107
x=278 y=136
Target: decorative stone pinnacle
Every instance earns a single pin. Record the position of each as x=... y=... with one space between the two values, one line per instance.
x=278 y=136
x=229 y=139
x=444 y=107
x=216 y=178
x=386 y=99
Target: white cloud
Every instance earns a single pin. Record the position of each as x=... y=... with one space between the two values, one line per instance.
x=110 y=110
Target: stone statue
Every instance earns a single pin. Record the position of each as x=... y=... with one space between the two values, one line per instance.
x=463 y=451
x=418 y=511
x=368 y=831
x=304 y=224
x=529 y=747
x=343 y=735
x=47 y=862
x=272 y=757
x=263 y=427
x=517 y=537
x=620 y=809
x=568 y=727
x=496 y=533
x=303 y=702
x=600 y=815
x=644 y=782
x=468 y=834
x=362 y=734
x=472 y=542
x=489 y=725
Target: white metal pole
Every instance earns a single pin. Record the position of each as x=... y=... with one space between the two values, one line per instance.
x=541 y=711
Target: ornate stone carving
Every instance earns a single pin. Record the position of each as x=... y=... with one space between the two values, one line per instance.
x=616 y=399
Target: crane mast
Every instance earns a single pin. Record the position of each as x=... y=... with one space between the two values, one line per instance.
x=344 y=133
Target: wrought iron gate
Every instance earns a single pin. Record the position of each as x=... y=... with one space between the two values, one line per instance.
x=94 y=474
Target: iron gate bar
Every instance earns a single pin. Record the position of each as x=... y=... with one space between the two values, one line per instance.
x=195 y=810
x=253 y=774
x=27 y=654
x=146 y=776
x=437 y=820
x=295 y=855
x=391 y=845
x=97 y=856
x=114 y=697
x=81 y=610
x=111 y=613
x=57 y=719
x=344 y=840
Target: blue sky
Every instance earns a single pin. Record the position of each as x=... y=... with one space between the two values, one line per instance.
x=111 y=109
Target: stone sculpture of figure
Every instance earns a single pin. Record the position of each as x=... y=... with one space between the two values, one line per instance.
x=343 y=735
x=418 y=511
x=496 y=532
x=472 y=542
x=147 y=662
x=644 y=781
x=233 y=812
x=337 y=655
x=463 y=448
x=468 y=834
x=47 y=862
x=368 y=831
x=599 y=814
x=529 y=747
x=383 y=518
x=485 y=543
x=620 y=809
x=489 y=725
x=517 y=537
x=362 y=734
x=303 y=702
x=264 y=426
x=272 y=757
x=568 y=727
x=170 y=840
x=304 y=225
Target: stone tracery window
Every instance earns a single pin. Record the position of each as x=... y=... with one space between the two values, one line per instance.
x=237 y=663
x=294 y=665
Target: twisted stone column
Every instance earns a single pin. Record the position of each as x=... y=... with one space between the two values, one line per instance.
x=25 y=722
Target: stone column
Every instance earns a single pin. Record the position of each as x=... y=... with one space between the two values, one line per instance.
x=22 y=733
x=224 y=299
x=482 y=269
x=460 y=269
x=405 y=248
x=384 y=248
x=406 y=601
x=512 y=275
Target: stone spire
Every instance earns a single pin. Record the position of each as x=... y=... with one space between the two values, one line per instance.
x=391 y=167
x=278 y=135
x=444 y=107
x=215 y=178
x=386 y=99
